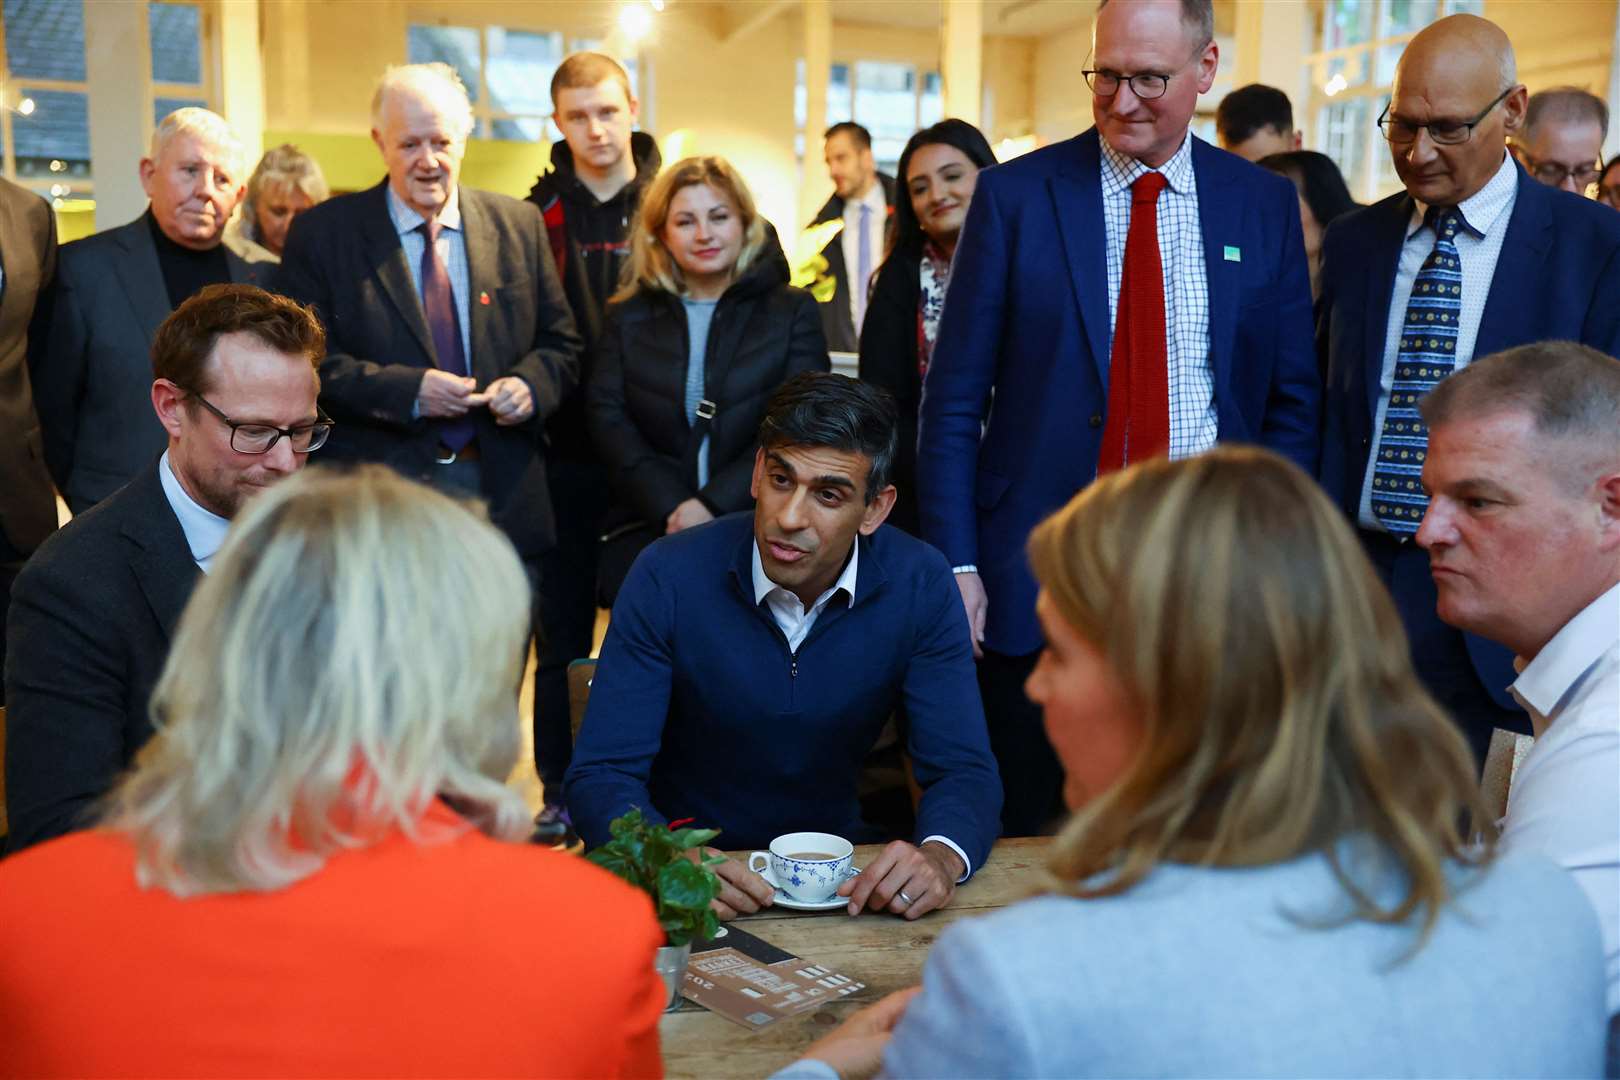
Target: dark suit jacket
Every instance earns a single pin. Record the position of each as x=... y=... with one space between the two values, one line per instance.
x=344 y=258
x=92 y=614
x=836 y=321
x=1026 y=316
x=28 y=258
x=93 y=370
x=1558 y=277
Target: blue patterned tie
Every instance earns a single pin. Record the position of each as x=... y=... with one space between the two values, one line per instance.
x=1427 y=354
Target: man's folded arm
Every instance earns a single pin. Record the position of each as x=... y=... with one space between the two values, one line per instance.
x=624 y=725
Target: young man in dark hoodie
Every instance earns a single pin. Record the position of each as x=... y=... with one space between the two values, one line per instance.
x=589 y=199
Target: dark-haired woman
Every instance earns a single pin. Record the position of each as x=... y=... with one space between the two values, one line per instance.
x=1323 y=196
x=938 y=170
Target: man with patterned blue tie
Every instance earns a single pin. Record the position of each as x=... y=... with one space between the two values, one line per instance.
x=1127 y=293
x=1472 y=258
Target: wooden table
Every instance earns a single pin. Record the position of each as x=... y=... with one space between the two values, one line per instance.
x=884 y=951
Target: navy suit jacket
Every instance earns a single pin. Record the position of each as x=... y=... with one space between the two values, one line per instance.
x=1558 y=278
x=1026 y=317
x=698 y=708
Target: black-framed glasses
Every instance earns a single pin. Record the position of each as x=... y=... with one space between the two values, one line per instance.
x=249 y=438
x=1554 y=173
x=1442 y=132
x=1146 y=85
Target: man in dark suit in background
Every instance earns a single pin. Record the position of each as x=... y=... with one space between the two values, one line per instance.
x=1473 y=258
x=450 y=340
x=27 y=502
x=1128 y=293
x=92 y=374
x=863 y=199
x=232 y=384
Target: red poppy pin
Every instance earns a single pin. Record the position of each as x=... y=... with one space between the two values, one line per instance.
x=483 y=298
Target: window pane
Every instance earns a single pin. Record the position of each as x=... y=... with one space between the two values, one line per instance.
x=839 y=105
x=453 y=45
x=931 y=110
x=176 y=43
x=45 y=39
x=1406 y=16
x=1345 y=139
x=801 y=101
x=1465 y=7
x=521 y=64
x=519 y=128
x=886 y=103
x=1388 y=56
x=163 y=106
x=53 y=140
x=1347 y=22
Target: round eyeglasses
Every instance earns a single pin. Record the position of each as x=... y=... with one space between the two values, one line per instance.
x=250 y=438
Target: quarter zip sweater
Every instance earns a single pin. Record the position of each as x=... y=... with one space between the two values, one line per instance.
x=700 y=709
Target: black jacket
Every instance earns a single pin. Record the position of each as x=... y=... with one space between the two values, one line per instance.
x=763 y=331
x=92 y=615
x=590 y=240
x=835 y=317
x=889 y=360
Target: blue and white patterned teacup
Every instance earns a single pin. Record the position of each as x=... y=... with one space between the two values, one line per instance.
x=807 y=880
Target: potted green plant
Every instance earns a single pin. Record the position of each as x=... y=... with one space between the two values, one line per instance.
x=654 y=859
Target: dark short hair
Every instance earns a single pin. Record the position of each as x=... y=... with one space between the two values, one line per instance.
x=820 y=408
x=1569 y=104
x=1318 y=180
x=1198 y=16
x=185 y=341
x=1248 y=109
x=905 y=233
x=862 y=137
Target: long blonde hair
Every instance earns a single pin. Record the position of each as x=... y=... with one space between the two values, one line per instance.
x=353 y=653
x=650 y=265
x=1279 y=707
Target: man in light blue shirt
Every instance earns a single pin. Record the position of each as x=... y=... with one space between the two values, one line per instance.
x=93 y=611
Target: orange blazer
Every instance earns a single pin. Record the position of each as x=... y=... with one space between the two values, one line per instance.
x=464 y=958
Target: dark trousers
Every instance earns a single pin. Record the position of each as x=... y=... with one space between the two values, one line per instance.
x=579 y=500
x=11 y=564
x=1031 y=777
x=1439 y=651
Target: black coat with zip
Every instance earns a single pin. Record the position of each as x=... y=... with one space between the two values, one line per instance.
x=763 y=332
x=590 y=241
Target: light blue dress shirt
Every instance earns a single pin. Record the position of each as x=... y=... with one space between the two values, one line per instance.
x=204 y=529
x=452 y=248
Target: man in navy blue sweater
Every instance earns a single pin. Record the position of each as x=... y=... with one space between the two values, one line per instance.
x=752 y=662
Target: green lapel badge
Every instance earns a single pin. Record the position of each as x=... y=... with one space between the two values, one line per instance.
x=1234 y=254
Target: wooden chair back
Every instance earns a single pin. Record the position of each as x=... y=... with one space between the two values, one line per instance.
x=580 y=674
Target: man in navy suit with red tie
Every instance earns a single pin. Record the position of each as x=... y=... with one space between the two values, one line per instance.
x=1128 y=293
x=1472 y=258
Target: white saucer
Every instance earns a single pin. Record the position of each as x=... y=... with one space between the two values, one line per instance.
x=832 y=903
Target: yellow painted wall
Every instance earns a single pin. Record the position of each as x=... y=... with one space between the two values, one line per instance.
x=1559 y=42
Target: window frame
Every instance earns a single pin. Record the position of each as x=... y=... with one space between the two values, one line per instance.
x=1374 y=178
x=59 y=191
x=485 y=116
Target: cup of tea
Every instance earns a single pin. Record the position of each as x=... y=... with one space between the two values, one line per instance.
x=808 y=866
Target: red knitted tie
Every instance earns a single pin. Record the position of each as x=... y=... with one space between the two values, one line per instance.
x=1138 y=424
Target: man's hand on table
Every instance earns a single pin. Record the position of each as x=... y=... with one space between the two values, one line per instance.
x=742 y=892
x=855 y=1048
x=926 y=875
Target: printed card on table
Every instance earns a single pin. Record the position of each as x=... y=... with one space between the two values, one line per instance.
x=753 y=983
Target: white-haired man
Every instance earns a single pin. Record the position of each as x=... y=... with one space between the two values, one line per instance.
x=92 y=371
x=1522 y=532
x=450 y=340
